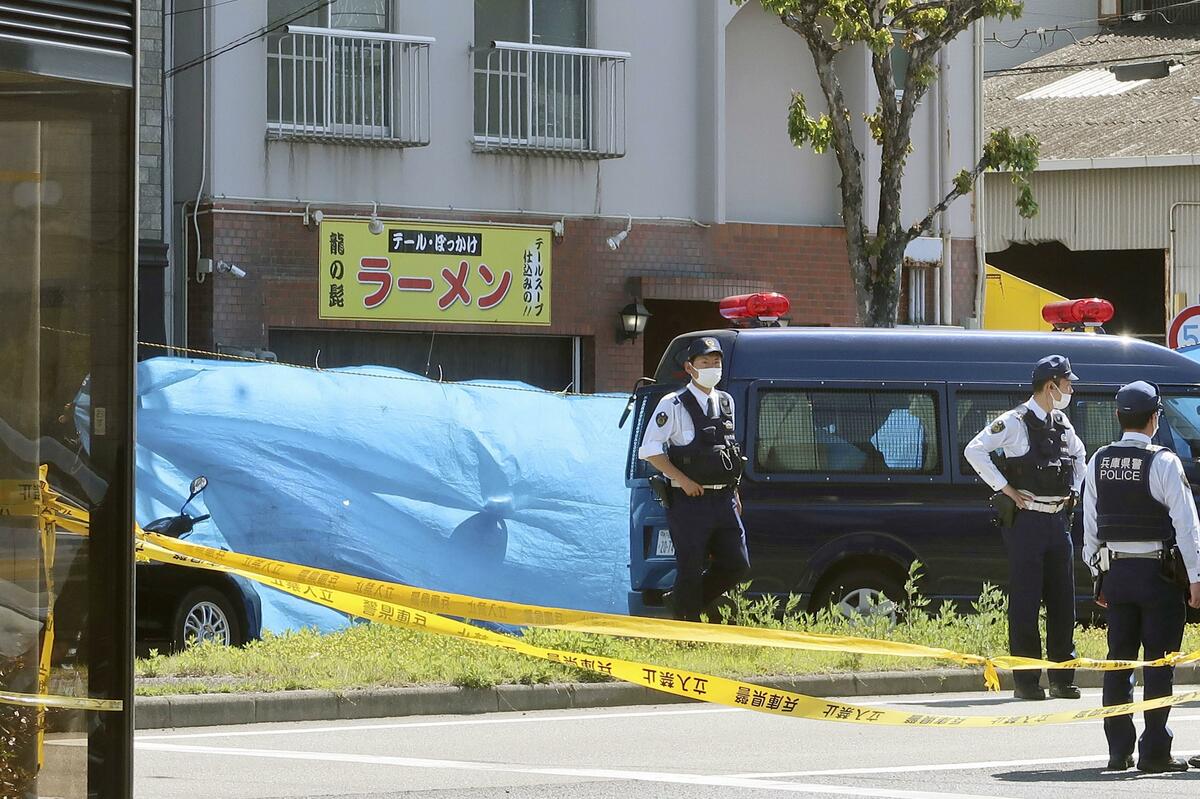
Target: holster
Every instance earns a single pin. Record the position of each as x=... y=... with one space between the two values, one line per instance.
x=1173 y=569
x=1006 y=510
x=1098 y=585
x=661 y=487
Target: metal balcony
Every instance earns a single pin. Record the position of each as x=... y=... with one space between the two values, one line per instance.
x=555 y=101
x=332 y=85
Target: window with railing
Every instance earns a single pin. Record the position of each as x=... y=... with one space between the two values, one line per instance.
x=338 y=74
x=539 y=88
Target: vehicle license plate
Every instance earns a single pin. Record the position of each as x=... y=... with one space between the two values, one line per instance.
x=664 y=548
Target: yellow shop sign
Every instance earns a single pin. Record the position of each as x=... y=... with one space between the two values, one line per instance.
x=435 y=272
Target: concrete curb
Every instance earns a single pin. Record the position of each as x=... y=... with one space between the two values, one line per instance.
x=210 y=710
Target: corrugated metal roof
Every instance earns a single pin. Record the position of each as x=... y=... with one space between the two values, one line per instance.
x=1155 y=117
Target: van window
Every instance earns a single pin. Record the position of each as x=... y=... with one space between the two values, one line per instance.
x=1095 y=420
x=803 y=431
x=1093 y=416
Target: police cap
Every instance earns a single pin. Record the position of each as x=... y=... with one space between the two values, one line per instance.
x=705 y=345
x=1053 y=366
x=1139 y=397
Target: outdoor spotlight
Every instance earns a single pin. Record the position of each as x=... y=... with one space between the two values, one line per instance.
x=614 y=241
x=230 y=269
x=375 y=226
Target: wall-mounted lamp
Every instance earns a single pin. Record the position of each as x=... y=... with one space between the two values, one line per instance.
x=559 y=228
x=375 y=226
x=633 y=319
x=614 y=241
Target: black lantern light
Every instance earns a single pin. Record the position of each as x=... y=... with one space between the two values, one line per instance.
x=633 y=320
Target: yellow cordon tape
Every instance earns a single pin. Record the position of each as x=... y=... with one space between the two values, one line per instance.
x=448 y=604
x=689 y=684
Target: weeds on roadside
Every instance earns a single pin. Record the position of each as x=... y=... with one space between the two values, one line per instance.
x=371 y=655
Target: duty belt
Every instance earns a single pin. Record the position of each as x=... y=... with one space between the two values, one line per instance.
x=1047 y=504
x=1115 y=555
x=706 y=487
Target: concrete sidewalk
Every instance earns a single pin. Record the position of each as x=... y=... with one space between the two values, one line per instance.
x=205 y=710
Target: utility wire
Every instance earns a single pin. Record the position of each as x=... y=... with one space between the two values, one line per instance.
x=1095 y=63
x=270 y=27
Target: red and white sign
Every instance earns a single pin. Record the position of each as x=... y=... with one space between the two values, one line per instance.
x=1184 y=330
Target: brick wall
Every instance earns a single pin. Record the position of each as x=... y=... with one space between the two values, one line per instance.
x=590 y=282
x=150 y=158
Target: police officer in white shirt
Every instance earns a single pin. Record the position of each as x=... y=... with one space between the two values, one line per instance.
x=1041 y=471
x=1137 y=511
x=690 y=439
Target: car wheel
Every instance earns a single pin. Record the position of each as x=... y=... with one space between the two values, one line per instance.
x=205 y=614
x=858 y=593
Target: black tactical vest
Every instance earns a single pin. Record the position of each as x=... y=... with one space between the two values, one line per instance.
x=1125 y=509
x=1046 y=470
x=712 y=457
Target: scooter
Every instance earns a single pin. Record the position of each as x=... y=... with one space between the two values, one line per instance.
x=181 y=525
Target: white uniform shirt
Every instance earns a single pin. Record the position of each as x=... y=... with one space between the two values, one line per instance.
x=1008 y=433
x=672 y=424
x=1169 y=486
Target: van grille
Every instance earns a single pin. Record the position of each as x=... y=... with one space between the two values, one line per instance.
x=100 y=24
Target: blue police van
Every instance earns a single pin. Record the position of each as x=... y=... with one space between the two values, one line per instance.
x=855 y=438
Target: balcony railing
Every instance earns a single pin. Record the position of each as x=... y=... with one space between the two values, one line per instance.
x=556 y=101
x=326 y=84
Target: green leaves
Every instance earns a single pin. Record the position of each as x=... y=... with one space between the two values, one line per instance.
x=1006 y=152
x=804 y=129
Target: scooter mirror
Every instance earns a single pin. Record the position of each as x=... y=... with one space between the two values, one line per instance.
x=199 y=484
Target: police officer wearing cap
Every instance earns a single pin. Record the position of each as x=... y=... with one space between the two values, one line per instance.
x=1137 y=512
x=690 y=439
x=1040 y=471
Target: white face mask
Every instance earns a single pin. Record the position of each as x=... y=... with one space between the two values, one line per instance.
x=1061 y=401
x=708 y=377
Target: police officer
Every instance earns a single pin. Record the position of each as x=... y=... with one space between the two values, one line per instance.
x=1041 y=472
x=1137 y=509
x=690 y=439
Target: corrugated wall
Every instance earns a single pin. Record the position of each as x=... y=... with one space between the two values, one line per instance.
x=1105 y=209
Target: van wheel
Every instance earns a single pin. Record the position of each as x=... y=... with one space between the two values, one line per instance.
x=205 y=614
x=860 y=592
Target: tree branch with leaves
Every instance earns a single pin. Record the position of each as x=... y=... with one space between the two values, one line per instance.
x=923 y=28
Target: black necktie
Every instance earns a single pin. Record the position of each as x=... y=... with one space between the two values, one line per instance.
x=712 y=408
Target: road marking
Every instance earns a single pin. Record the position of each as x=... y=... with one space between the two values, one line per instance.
x=585 y=773
x=471 y=722
x=981 y=764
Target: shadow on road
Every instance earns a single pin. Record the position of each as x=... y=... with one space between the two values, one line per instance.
x=1087 y=774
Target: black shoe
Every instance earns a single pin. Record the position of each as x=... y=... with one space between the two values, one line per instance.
x=1120 y=763
x=1195 y=762
x=1171 y=764
x=1067 y=691
x=1034 y=693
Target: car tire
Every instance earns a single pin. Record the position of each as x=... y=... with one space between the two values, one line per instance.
x=852 y=590
x=204 y=613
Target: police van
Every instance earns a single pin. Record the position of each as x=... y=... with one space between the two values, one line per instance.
x=854 y=442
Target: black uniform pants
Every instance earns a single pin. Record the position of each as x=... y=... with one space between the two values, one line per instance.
x=1041 y=570
x=704 y=526
x=1144 y=611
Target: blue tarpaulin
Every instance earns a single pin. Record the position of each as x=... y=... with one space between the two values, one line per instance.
x=491 y=489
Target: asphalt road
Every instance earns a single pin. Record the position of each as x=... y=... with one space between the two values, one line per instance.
x=671 y=751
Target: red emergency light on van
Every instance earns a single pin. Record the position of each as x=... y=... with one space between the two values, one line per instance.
x=1078 y=314
x=766 y=307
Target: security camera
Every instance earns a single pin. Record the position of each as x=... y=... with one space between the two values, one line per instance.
x=614 y=241
x=230 y=269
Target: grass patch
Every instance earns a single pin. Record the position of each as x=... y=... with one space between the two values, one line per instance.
x=375 y=656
